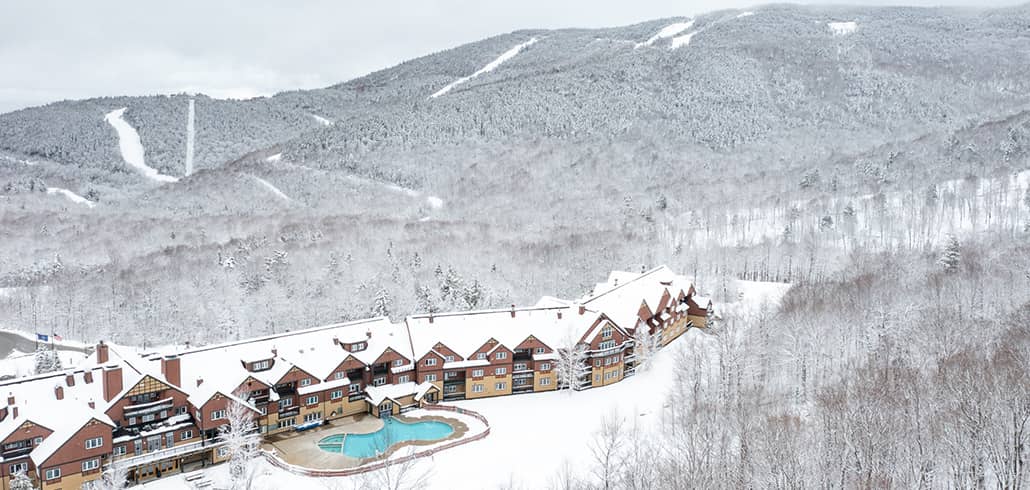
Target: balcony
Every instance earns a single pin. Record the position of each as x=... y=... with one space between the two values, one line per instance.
x=162 y=454
x=16 y=452
x=380 y=369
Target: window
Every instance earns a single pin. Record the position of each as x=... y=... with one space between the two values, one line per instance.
x=170 y=439
x=477 y=373
x=597 y=378
x=313 y=416
x=132 y=420
x=285 y=402
x=37 y=441
x=597 y=363
x=220 y=414
x=545 y=366
x=186 y=435
x=224 y=451
x=545 y=381
x=163 y=414
x=477 y=388
x=22 y=467
x=450 y=375
x=501 y=355
x=606 y=333
x=354 y=388
x=539 y=350
x=313 y=399
x=53 y=473
x=259 y=366
x=398 y=363
x=290 y=422
x=180 y=410
x=137 y=446
x=263 y=409
x=450 y=389
x=91 y=464
x=403 y=379
x=501 y=371
x=481 y=356
x=500 y=386
x=448 y=359
x=94 y=442
x=148 y=418
x=431 y=361
x=119 y=450
x=430 y=377
x=305 y=382
x=336 y=394
x=520 y=367
x=607 y=344
x=379 y=381
x=340 y=375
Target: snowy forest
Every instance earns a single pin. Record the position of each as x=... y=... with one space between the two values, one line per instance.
x=883 y=172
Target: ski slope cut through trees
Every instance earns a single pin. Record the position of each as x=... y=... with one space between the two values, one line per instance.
x=73 y=197
x=842 y=28
x=132 y=147
x=666 y=32
x=491 y=66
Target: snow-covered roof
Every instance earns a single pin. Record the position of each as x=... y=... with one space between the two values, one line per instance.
x=71 y=424
x=466 y=332
x=376 y=394
x=619 y=298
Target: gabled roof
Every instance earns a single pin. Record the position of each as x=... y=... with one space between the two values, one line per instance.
x=75 y=421
x=623 y=289
x=376 y=394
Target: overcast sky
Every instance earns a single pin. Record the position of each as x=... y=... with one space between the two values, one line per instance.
x=52 y=50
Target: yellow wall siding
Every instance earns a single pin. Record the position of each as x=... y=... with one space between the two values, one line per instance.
x=72 y=481
x=489 y=386
x=673 y=331
x=552 y=385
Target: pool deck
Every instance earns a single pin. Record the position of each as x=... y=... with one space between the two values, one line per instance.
x=301 y=448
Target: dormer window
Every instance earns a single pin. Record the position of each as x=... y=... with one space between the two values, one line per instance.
x=261 y=365
x=501 y=355
x=431 y=361
x=305 y=382
x=399 y=362
x=357 y=346
x=606 y=333
x=481 y=356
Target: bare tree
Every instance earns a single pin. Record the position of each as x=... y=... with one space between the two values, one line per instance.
x=399 y=473
x=645 y=344
x=571 y=363
x=114 y=478
x=241 y=440
x=607 y=451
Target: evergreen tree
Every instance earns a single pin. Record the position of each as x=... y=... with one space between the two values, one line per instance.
x=381 y=303
x=46 y=359
x=21 y=481
x=952 y=256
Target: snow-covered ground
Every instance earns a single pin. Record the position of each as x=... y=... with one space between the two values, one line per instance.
x=842 y=28
x=532 y=436
x=132 y=147
x=275 y=158
x=666 y=32
x=275 y=190
x=73 y=197
x=491 y=66
x=684 y=40
x=745 y=14
x=20 y=161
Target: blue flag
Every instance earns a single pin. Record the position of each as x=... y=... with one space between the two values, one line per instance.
x=42 y=337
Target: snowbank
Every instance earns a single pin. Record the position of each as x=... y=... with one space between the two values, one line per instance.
x=132 y=147
x=507 y=55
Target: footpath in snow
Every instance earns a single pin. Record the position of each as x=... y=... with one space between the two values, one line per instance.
x=132 y=147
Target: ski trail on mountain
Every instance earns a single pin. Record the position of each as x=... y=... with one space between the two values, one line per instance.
x=73 y=197
x=132 y=147
x=666 y=32
x=275 y=190
x=491 y=66
x=321 y=120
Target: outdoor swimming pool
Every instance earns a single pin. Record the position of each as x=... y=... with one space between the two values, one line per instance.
x=393 y=432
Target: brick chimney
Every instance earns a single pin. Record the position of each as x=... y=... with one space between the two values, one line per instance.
x=14 y=412
x=430 y=317
x=513 y=311
x=200 y=381
x=92 y=404
x=59 y=392
x=70 y=380
x=102 y=354
x=582 y=309
x=171 y=368
x=368 y=334
x=87 y=377
x=10 y=398
x=559 y=314
x=112 y=382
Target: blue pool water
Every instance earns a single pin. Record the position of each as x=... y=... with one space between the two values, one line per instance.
x=393 y=432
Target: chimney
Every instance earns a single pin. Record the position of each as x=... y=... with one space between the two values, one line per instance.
x=87 y=377
x=102 y=354
x=70 y=380
x=200 y=381
x=92 y=404
x=112 y=382
x=10 y=398
x=582 y=309
x=559 y=314
x=336 y=341
x=430 y=317
x=59 y=392
x=368 y=334
x=275 y=352
x=14 y=412
x=513 y=311
x=170 y=367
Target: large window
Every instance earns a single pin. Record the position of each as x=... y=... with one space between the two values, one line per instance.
x=53 y=473
x=313 y=416
x=218 y=414
x=186 y=435
x=545 y=366
x=545 y=381
x=305 y=382
x=477 y=373
x=379 y=381
x=285 y=402
x=501 y=371
x=23 y=467
x=340 y=375
x=290 y=422
x=430 y=377
x=398 y=363
x=94 y=442
x=403 y=379
x=431 y=361
x=481 y=356
x=606 y=333
x=90 y=465
x=336 y=394
x=354 y=388
x=448 y=359
x=501 y=386
x=539 y=350
x=501 y=355
x=313 y=399
x=477 y=388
